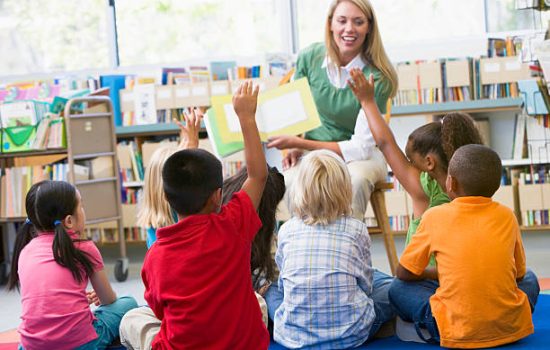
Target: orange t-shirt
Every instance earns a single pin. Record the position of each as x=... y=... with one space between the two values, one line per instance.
x=479 y=254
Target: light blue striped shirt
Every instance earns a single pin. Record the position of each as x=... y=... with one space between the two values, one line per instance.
x=326 y=277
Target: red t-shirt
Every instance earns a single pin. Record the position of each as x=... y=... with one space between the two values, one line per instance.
x=198 y=283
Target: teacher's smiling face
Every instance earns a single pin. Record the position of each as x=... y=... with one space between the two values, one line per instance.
x=349 y=27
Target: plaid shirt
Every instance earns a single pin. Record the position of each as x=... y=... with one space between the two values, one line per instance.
x=326 y=277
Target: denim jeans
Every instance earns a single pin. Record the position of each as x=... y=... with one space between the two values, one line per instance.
x=107 y=322
x=380 y=287
x=411 y=301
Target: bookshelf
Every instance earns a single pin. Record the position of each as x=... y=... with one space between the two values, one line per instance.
x=91 y=144
x=473 y=106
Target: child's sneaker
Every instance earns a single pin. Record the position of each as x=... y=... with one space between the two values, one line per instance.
x=406 y=331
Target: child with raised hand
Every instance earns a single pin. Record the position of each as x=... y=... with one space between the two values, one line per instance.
x=323 y=255
x=52 y=266
x=422 y=169
x=197 y=274
x=485 y=294
x=262 y=265
x=153 y=210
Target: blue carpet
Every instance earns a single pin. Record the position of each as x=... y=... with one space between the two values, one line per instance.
x=539 y=340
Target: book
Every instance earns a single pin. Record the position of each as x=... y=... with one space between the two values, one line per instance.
x=288 y=109
x=115 y=83
x=220 y=69
x=220 y=149
x=532 y=94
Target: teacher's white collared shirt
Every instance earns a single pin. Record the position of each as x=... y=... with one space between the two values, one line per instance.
x=362 y=144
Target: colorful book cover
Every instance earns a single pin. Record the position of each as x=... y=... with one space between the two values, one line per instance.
x=115 y=83
x=288 y=109
x=221 y=149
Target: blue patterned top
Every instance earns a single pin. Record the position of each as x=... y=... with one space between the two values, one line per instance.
x=326 y=278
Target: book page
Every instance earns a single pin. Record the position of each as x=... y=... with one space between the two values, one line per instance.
x=281 y=112
x=231 y=117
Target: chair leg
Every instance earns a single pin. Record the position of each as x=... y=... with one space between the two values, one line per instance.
x=378 y=202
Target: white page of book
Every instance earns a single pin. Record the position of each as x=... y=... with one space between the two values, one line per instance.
x=281 y=112
x=232 y=120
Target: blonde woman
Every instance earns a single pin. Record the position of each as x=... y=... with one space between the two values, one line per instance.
x=352 y=40
x=326 y=279
x=154 y=210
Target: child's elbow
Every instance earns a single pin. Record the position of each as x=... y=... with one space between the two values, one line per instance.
x=404 y=274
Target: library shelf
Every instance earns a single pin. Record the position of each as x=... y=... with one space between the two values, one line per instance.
x=132 y=184
x=535 y=228
x=486 y=105
x=147 y=129
x=12 y=219
x=522 y=162
x=150 y=130
x=48 y=152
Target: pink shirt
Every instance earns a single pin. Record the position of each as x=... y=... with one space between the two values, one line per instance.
x=56 y=313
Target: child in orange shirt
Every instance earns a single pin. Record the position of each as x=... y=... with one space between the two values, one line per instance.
x=485 y=295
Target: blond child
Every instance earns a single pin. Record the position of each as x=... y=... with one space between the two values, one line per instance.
x=154 y=211
x=323 y=255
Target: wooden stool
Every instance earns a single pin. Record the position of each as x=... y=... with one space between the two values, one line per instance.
x=378 y=203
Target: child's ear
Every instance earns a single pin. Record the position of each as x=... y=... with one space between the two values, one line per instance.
x=451 y=184
x=68 y=222
x=216 y=199
x=430 y=161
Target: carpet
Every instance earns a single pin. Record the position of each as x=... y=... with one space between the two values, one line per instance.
x=539 y=340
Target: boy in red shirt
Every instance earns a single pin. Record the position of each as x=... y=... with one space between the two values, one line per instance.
x=197 y=274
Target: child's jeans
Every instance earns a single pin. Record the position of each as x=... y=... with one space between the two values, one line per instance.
x=380 y=287
x=411 y=301
x=107 y=322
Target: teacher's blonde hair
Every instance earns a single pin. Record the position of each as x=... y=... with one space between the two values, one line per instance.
x=373 y=49
x=322 y=190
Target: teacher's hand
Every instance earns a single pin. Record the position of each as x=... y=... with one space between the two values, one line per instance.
x=292 y=158
x=362 y=88
x=284 y=142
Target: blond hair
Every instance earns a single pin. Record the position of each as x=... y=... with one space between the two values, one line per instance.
x=322 y=190
x=154 y=210
x=373 y=49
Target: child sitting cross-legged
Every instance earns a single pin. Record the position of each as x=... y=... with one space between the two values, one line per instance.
x=323 y=255
x=52 y=266
x=197 y=274
x=485 y=294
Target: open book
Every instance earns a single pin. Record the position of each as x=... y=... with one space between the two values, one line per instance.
x=288 y=109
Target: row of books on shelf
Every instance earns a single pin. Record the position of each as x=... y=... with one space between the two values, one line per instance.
x=534 y=194
x=110 y=235
x=532 y=138
x=29 y=125
x=150 y=103
x=446 y=80
x=16 y=181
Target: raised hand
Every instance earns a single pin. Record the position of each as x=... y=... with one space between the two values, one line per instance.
x=245 y=100
x=362 y=88
x=189 y=133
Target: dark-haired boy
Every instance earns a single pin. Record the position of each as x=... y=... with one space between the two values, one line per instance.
x=197 y=274
x=485 y=295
